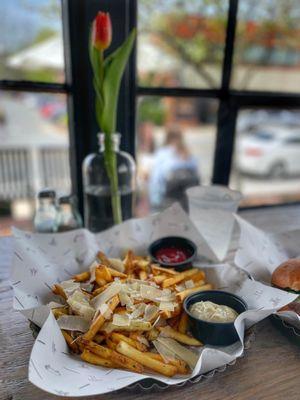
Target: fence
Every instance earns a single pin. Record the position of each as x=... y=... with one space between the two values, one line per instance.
x=25 y=171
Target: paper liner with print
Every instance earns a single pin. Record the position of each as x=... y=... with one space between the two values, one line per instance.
x=260 y=253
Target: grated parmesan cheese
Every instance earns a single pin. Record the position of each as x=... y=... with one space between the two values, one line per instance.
x=73 y=323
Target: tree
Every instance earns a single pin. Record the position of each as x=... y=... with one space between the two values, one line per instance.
x=194 y=32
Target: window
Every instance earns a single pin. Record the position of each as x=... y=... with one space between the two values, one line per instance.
x=34 y=139
x=218 y=73
x=31 y=43
x=240 y=60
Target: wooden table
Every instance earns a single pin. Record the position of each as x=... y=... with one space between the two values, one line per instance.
x=270 y=369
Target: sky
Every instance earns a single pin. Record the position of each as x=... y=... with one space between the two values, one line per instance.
x=21 y=20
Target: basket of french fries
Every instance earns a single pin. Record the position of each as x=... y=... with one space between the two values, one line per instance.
x=110 y=317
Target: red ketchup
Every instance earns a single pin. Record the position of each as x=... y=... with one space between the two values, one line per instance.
x=172 y=255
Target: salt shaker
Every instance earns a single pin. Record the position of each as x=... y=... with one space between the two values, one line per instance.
x=45 y=219
x=68 y=217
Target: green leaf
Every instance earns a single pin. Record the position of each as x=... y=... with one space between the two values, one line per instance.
x=114 y=67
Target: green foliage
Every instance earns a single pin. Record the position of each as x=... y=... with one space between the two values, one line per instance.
x=41 y=75
x=152 y=109
x=43 y=34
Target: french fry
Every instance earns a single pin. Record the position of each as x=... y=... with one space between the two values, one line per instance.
x=99 y=338
x=167 y=331
x=129 y=351
x=100 y=281
x=58 y=312
x=103 y=259
x=125 y=362
x=157 y=270
x=141 y=264
x=120 y=310
x=158 y=279
x=92 y=358
x=166 y=314
x=118 y=337
x=110 y=344
x=118 y=359
x=116 y=274
x=138 y=338
x=128 y=262
x=96 y=348
x=100 y=289
x=102 y=272
x=59 y=291
x=179 y=277
x=182 y=367
x=152 y=334
x=84 y=276
x=183 y=323
x=143 y=275
x=99 y=321
x=70 y=341
x=182 y=295
x=200 y=276
x=173 y=322
x=155 y=356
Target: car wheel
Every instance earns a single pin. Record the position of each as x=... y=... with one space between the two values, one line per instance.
x=278 y=170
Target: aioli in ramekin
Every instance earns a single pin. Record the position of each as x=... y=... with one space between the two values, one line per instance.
x=212 y=312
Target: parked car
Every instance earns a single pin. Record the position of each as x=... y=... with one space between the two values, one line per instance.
x=269 y=151
x=252 y=119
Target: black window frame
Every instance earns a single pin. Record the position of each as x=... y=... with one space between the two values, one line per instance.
x=76 y=18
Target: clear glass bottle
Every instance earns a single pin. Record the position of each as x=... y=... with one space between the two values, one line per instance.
x=97 y=193
x=45 y=219
x=68 y=216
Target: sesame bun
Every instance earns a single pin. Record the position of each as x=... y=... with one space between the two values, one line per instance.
x=287 y=275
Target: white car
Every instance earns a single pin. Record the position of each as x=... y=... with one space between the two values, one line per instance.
x=269 y=151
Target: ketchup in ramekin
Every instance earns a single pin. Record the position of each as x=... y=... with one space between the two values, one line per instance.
x=172 y=255
x=173 y=252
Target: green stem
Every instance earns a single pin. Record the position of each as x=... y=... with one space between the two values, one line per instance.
x=111 y=169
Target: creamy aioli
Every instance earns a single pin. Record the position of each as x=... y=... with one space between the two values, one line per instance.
x=212 y=312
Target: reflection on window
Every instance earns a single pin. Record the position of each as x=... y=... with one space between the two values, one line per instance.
x=175 y=148
x=181 y=43
x=267 y=52
x=267 y=156
x=33 y=153
x=31 y=46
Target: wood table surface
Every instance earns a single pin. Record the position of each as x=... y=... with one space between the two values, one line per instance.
x=270 y=369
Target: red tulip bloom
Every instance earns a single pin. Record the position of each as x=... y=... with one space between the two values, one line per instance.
x=102 y=31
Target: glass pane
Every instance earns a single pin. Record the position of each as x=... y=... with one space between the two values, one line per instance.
x=31 y=45
x=175 y=148
x=181 y=43
x=34 y=147
x=267 y=156
x=267 y=52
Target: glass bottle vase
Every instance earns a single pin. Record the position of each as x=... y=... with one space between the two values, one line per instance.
x=98 y=213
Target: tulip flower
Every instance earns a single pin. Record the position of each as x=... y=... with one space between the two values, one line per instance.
x=101 y=31
x=108 y=74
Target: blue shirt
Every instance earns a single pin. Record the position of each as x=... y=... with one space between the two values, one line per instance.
x=166 y=160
